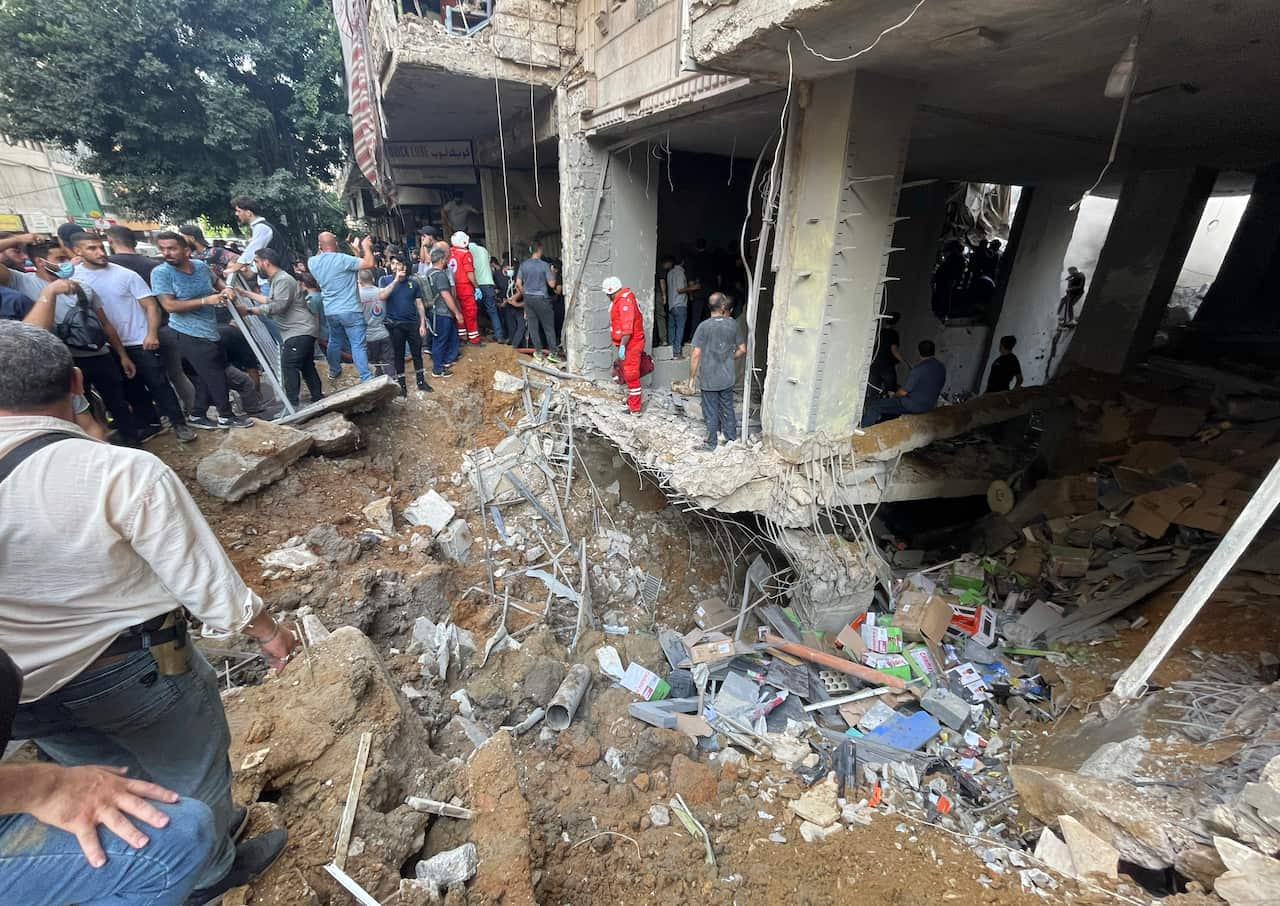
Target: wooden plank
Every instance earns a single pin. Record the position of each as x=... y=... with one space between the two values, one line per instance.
x=353 y=797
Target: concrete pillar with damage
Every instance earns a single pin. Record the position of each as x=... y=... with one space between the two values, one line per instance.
x=1146 y=245
x=1030 y=308
x=609 y=227
x=846 y=144
x=1243 y=292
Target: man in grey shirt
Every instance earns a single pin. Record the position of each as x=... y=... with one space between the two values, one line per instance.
x=716 y=346
x=287 y=303
x=535 y=281
x=919 y=394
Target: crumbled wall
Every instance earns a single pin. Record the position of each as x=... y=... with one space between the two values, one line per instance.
x=537 y=32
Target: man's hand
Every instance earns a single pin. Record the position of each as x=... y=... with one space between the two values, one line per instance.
x=151 y=342
x=127 y=366
x=61 y=287
x=234 y=266
x=22 y=240
x=77 y=800
x=227 y=295
x=422 y=328
x=277 y=650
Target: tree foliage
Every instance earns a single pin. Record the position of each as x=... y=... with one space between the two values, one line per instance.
x=181 y=103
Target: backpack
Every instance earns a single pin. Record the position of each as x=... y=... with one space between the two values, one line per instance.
x=81 y=329
x=281 y=246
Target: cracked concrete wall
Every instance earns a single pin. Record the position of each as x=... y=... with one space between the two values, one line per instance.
x=531 y=39
x=620 y=242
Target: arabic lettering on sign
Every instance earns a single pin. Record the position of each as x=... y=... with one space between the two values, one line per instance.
x=409 y=154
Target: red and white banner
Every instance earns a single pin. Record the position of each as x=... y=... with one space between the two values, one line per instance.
x=363 y=101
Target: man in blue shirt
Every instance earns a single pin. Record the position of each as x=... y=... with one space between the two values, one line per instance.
x=191 y=294
x=406 y=320
x=919 y=394
x=336 y=273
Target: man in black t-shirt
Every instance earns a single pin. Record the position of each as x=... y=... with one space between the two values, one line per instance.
x=1006 y=370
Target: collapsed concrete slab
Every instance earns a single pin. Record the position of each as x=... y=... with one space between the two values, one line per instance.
x=363 y=397
x=334 y=434
x=250 y=459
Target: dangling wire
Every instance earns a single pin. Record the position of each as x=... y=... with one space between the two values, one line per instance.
x=733 y=156
x=867 y=49
x=502 y=147
x=533 y=120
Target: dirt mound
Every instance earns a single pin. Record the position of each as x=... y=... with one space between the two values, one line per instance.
x=294 y=743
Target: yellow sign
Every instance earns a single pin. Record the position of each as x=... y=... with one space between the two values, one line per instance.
x=12 y=223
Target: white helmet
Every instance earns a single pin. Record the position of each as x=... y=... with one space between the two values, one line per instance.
x=459 y=240
x=611 y=285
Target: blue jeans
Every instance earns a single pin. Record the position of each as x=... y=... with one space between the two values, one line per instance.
x=490 y=303
x=876 y=411
x=44 y=866
x=717 y=415
x=170 y=730
x=347 y=331
x=675 y=327
x=444 y=345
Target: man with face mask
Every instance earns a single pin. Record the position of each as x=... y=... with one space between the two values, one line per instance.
x=65 y=302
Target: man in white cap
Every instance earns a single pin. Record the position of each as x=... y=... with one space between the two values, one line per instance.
x=627 y=331
x=463 y=268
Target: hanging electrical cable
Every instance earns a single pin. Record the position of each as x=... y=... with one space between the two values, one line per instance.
x=867 y=49
x=502 y=147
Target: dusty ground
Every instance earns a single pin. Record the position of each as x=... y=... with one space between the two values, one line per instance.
x=563 y=821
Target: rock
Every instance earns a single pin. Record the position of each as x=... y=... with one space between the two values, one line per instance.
x=295 y=559
x=500 y=830
x=363 y=397
x=507 y=383
x=430 y=510
x=455 y=541
x=1117 y=760
x=693 y=780
x=1145 y=830
x=542 y=679
x=315 y=631
x=379 y=515
x=816 y=833
x=250 y=459
x=1200 y=863
x=454 y=866
x=334 y=435
x=1252 y=879
x=659 y=815
x=311 y=717
x=332 y=546
x=580 y=747
x=818 y=805
x=1090 y=853
x=1054 y=853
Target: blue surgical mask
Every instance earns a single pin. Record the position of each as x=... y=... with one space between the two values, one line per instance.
x=63 y=271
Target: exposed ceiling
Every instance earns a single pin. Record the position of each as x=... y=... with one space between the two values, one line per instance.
x=427 y=104
x=1022 y=100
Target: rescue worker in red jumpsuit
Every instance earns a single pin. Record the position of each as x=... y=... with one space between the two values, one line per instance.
x=463 y=269
x=627 y=327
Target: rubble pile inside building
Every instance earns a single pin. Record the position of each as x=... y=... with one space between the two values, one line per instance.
x=571 y=717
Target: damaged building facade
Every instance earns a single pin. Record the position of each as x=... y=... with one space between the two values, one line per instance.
x=820 y=146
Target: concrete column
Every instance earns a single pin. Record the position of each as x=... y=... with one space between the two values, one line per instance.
x=1146 y=245
x=1030 y=308
x=609 y=226
x=847 y=141
x=922 y=214
x=1242 y=279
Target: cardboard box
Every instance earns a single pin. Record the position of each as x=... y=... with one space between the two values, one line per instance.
x=714 y=650
x=712 y=613
x=645 y=683
x=922 y=618
x=890 y=664
x=1152 y=513
x=1068 y=562
x=922 y=661
x=978 y=623
x=882 y=639
x=1029 y=562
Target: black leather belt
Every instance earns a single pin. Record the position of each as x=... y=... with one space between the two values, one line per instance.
x=145 y=635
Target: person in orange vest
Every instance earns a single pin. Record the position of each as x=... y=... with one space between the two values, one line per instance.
x=627 y=327
x=463 y=269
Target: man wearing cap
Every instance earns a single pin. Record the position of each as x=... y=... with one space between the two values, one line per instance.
x=463 y=268
x=627 y=331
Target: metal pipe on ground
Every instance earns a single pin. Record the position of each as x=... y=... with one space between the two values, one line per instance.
x=564 y=704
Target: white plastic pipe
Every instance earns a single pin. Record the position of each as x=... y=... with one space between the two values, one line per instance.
x=1233 y=544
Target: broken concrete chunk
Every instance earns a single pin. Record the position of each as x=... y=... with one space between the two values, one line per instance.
x=1089 y=852
x=380 y=516
x=250 y=459
x=819 y=805
x=1252 y=879
x=1117 y=760
x=816 y=833
x=1053 y=852
x=507 y=383
x=454 y=866
x=430 y=510
x=334 y=434
x=455 y=541
x=362 y=397
x=659 y=815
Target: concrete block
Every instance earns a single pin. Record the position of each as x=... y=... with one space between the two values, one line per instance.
x=250 y=459
x=380 y=516
x=334 y=434
x=455 y=541
x=670 y=370
x=662 y=713
x=363 y=397
x=430 y=510
x=947 y=707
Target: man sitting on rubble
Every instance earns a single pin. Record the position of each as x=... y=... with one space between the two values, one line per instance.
x=105 y=554
x=919 y=394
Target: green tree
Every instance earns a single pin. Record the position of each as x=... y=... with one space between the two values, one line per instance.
x=181 y=103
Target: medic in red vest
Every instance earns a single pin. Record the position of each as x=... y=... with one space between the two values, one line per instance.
x=627 y=328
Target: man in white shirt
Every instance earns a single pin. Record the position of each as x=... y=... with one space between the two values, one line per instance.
x=260 y=231
x=133 y=309
x=103 y=554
